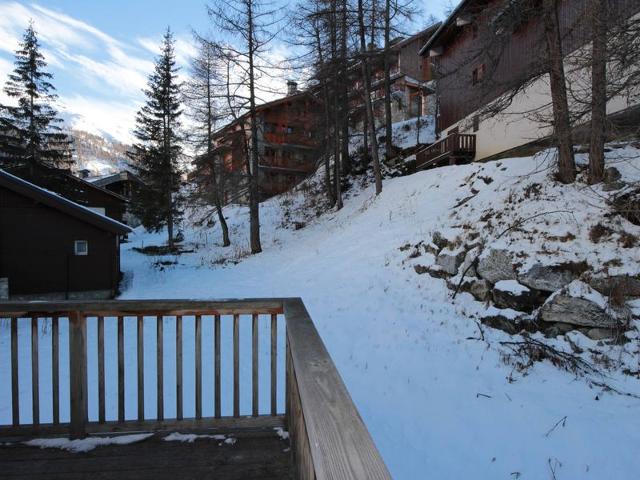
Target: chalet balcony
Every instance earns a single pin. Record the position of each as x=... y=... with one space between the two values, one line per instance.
x=247 y=385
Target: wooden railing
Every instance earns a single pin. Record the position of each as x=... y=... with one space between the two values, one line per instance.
x=328 y=437
x=452 y=147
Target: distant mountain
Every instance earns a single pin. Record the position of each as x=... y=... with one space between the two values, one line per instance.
x=99 y=155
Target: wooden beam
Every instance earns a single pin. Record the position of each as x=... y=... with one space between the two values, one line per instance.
x=327 y=409
x=159 y=368
x=255 y=366
x=77 y=374
x=101 y=396
x=236 y=365
x=198 y=366
x=274 y=364
x=179 y=367
x=140 y=351
x=121 y=387
x=55 y=370
x=15 y=384
x=216 y=347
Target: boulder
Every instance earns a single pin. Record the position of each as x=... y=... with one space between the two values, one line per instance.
x=557 y=329
x=629 y=286
x=480 y=289
x=435 y=272
x=450 y=261
x=439 y=241
x=550 y=278
x=611 y=174
x=511 y=294
x=583 y=311
x=509 y=325
x=496 y=266
x=600 y=333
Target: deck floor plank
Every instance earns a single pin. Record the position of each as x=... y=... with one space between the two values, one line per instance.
x=257 y=453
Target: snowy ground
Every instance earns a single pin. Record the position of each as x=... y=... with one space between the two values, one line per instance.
x=436 y=397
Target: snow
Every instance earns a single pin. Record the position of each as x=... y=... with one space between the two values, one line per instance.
x=578 y=289
x=511 y=286
x=282 y=433
x=434 y=391
x=192 y=437
x=86 y=444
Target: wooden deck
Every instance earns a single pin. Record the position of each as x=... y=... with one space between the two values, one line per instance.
x=327 y=435
x=256 y=454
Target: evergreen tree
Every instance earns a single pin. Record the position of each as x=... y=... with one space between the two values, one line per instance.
x=158 y=150
x=29 y=130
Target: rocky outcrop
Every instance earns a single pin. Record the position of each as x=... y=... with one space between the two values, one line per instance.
x=550 y=278
x=495 y=266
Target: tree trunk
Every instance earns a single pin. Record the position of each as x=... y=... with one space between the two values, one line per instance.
x=388 y=141
x=210 y=157
x=366 y=77
x=562 y=121
x=345 y=160
x=325 y=95
x=254 y=200
x=336 y=105
x=598 y=91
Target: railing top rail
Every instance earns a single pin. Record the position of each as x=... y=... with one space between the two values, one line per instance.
x=142 y=307
x=341 y=446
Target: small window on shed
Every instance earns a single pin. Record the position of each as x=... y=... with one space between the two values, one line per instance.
x=81 y=247
x=476 y=123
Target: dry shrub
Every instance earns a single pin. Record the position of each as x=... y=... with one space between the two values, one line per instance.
x=598 y=232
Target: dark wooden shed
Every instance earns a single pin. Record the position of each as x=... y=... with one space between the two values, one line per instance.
x=52 y=248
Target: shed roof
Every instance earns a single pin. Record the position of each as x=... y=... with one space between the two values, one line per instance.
x=53 y=200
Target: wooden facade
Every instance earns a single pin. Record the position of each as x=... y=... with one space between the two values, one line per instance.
x=39 y=250
x=409 y=76
x=288 y=146
x=476 y=66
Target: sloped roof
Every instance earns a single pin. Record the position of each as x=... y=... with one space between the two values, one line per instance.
x=53 y=200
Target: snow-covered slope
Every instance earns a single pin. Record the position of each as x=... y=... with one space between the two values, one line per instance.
x=433 y=386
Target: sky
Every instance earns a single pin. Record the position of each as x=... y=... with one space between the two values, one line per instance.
x=100 y=52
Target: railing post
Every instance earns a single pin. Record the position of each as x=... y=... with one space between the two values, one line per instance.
x=78 y=374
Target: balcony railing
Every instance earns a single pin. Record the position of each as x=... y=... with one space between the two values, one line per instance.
x=327 y=435
x=452 y=148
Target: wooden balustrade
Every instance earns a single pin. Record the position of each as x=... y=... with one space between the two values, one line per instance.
x=328 y=437
x=453 y=147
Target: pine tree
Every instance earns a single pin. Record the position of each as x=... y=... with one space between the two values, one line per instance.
x=30 y=134
x=158 y=150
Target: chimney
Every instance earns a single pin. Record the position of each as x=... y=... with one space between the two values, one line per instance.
x=292 y=87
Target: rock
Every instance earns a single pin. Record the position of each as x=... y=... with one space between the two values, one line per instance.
x=434 y=272
x=509 y=325
x=550 y=278
x=611 y=174
x=450 y=261
x=439 y=241
x=468 y=267
x=627 y=285
x=496 y=266
x=613 y=186
x=558 y=329
x=511 y=294
x=600 y=333
x=563 y=308
x=480 y=289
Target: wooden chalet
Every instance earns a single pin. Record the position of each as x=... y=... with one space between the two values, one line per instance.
x=76 y=189
x=288 y=144
x=53 y=248
x=412 y=89
x=122 y=183
x=472 y=73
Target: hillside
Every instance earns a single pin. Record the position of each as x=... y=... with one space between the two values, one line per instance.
x=439 y=389
x=98 y=154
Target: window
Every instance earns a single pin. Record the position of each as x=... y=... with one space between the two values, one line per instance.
x=289 y=129
x=476 y=123
x=478 y=74
x=81 y=247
